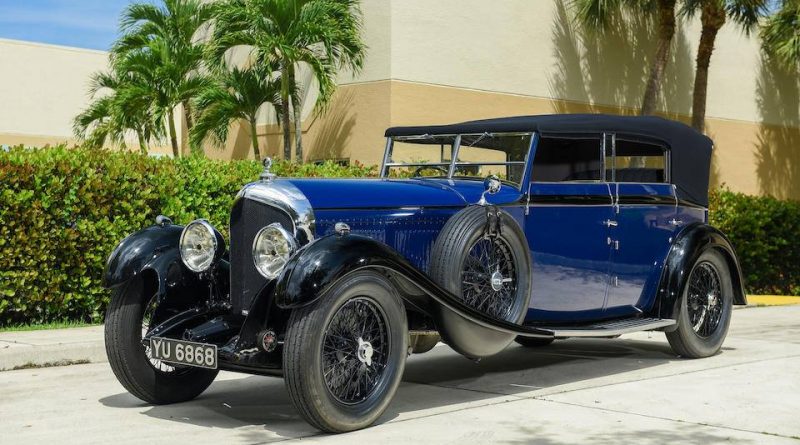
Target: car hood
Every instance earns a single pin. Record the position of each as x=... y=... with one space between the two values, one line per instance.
x=395 y=193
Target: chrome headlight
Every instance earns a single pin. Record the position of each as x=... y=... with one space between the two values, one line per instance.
x=199 y=245
x=272 y=248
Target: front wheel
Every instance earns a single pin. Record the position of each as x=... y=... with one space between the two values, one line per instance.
x=344 y=355
x=706 y=306
x=131 y=314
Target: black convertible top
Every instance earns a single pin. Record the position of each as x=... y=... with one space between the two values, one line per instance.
x=690 y=150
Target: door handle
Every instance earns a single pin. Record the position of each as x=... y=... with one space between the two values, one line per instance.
x=610 y=223
x=675 y=222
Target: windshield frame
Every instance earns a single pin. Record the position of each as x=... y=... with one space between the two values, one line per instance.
x=454 y=149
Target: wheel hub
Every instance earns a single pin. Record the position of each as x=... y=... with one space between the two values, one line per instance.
x=712 y=300
x=364 y=352
x=497 y=281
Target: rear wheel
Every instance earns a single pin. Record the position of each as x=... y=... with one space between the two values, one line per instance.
x=131 y=314
x=706 y=307
x=345 y=354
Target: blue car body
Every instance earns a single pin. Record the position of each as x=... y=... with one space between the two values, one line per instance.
x=602 y=249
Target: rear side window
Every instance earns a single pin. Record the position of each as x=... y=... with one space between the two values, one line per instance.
x=560 y=159
x=640 y=162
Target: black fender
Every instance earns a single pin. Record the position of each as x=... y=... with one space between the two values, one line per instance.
x=319 y=265
x=155 y=250
x=690 y=243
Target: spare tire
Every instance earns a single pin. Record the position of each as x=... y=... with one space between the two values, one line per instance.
x=482 y=257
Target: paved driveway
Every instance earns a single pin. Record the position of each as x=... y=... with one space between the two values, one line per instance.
x=627 y=390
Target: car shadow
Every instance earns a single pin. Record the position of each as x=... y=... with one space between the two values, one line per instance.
x=432 y=382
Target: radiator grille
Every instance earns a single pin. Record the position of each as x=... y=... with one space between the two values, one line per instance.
x=247 y=218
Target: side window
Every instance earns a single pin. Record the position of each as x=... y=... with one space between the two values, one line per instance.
x=560 y=159
x=640 y=162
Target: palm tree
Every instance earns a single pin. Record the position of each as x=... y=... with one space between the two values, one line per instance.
x=236 y=94
x=599 y=14
x=161 y=73
x=174 y=28
x=120 y=105
x=780 y=35
x=714 y=15
x=321 y=35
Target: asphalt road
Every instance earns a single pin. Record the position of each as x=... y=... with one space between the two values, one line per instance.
x=627 y=390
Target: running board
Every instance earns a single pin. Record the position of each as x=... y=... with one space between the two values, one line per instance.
x=610 y=328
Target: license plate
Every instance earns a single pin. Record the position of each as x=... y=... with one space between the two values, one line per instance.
x=182 y=352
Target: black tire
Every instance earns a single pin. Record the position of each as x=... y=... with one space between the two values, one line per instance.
x=451 y=249
x=128 y=359
x=706 y=340
x=307 y=336
x=533 y=342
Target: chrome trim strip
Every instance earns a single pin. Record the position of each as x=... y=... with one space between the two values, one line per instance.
x=287 y=198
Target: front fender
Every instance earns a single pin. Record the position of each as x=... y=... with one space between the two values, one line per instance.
x=153 y=248
x=315 y=268
x=687 y=247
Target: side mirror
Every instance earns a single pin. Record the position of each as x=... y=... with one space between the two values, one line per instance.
x=491 y=185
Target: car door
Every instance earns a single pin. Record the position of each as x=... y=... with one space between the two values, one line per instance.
x=643 y=222
x=568 y=208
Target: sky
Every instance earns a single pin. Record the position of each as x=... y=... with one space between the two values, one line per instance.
x=81 y=23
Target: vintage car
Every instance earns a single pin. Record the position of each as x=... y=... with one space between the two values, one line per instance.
x=527 y=229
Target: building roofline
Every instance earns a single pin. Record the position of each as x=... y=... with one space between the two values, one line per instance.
x=53 y=46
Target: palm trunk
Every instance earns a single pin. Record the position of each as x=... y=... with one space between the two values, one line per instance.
x=666 y=31
x=187 y=109
x=143 y=148
x=713 y=19
x=297 y=111
x=286 y=121
x=254 y=139
x=173 y=137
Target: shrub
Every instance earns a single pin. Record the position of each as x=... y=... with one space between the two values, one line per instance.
x=62 y=211
x=764 y=231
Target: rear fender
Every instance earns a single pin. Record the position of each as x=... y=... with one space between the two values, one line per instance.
x=318 y=266
x=686 y=249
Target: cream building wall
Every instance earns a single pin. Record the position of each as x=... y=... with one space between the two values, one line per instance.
x=453 y=60
x=42 y=87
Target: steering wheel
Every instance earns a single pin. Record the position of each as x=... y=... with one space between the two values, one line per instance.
x=422 y=168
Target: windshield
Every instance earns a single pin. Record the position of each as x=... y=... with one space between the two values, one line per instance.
x=477 y=156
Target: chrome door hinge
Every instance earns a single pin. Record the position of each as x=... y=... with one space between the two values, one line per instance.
x=615 y=281
x=612 y=242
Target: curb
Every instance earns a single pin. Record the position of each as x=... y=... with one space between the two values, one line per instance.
x=51 y=348
x=771 y=300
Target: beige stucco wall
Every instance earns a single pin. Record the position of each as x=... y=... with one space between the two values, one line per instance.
x=452 y=60
x=42 y=87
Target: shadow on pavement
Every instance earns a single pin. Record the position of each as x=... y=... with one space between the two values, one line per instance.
x=437 y=379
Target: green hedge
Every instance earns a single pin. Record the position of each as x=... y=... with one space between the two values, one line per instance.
x=63 y=210
x=765 y=232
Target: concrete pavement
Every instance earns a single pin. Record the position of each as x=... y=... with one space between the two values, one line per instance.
x=626 y=390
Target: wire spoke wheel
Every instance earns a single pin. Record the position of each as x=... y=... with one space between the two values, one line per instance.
x=355 y=350
x=704 y=299
x=489 y=277
x=148 y=322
